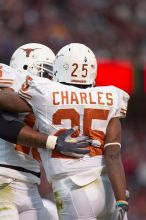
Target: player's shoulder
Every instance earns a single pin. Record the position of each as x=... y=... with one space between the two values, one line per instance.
x=113 y=89
x=118 y=90
x=121 y=95
x=7 y=75
x=6 y=70
x=36 y=81
x=121 y=100
x=5 y=66
x=9 y=72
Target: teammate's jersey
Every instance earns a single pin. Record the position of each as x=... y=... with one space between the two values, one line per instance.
x=57 y=107
x=8 y=76
x=16 y=155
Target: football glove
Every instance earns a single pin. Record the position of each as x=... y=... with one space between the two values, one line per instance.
x=67 y=145
x=120 y=209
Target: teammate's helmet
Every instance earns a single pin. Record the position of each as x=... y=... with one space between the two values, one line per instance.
x=76 y=64
x=33 y=58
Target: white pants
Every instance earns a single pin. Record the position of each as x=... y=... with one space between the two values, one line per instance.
x=51 y=210
x=93 y=201
x=20 y=201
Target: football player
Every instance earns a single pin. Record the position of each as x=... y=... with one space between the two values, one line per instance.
x=19 y=165
x=94 y=186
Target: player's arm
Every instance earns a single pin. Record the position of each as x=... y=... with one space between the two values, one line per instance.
x=16 y=132
x=113 y=158
x=10 y=127
x=29 y=137
x=10 y=101
x=114 y=164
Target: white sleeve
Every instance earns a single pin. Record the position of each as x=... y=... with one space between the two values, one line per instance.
x=7 y=76
x=26 y=91
x=122 y=103
x=10 y=78
x=30 y=91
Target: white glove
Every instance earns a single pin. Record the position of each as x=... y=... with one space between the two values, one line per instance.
x=120 y=209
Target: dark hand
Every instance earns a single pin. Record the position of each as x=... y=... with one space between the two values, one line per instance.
x=72 y=145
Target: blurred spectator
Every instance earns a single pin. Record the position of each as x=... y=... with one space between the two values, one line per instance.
x=113 y=28
x=134 y=159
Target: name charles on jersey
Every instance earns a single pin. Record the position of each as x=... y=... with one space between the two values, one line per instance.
x=70 y=97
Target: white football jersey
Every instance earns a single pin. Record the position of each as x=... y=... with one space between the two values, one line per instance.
x=8 y=76
x=16 y=155
x=58 y=107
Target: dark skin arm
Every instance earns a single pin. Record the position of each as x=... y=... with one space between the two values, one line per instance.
x=113 y=160
x=29 y=137
x=10 y=101
x=15 y=131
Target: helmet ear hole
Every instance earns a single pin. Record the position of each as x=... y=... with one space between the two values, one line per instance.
x=25 y=67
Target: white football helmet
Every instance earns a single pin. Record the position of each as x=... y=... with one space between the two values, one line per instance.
x=76 y=64
x=34 y=59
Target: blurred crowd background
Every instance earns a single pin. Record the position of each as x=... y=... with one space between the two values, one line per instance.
x=113 y=29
